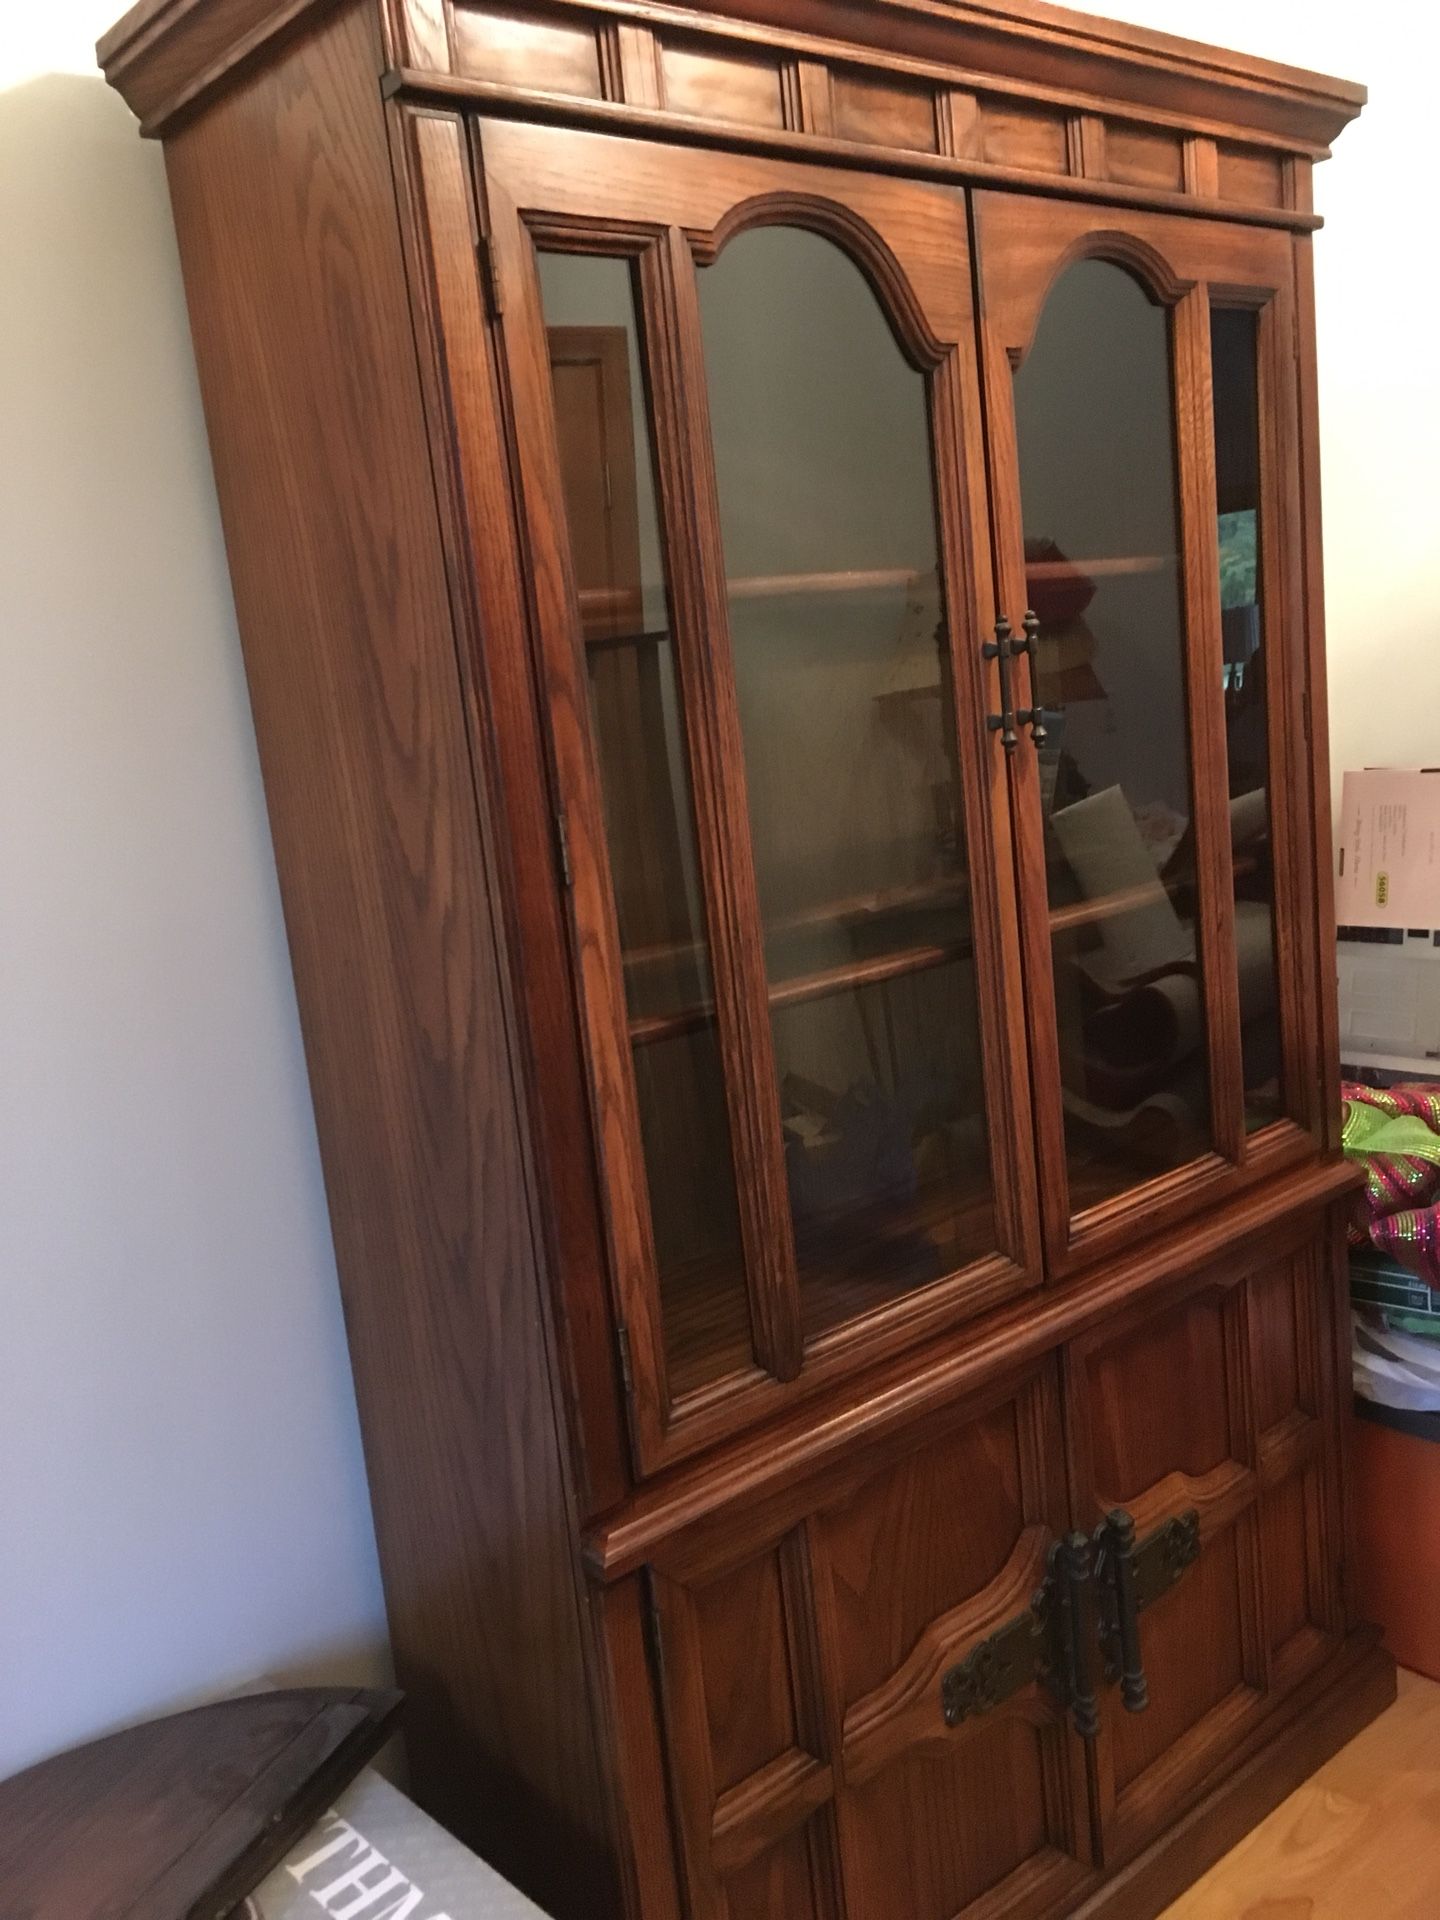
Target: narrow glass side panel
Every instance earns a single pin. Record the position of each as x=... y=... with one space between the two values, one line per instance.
x=1234 y=349
x=607 y=468
x=1094 y=414
x=827 y=504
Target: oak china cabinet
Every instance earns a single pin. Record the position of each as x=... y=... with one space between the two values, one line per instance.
x=777 y=552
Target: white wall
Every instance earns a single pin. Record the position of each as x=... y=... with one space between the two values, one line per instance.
x=1377 y=285
x=182 y=1501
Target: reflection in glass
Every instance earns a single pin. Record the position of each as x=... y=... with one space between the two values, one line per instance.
x=1098 y=484
x=606 y=467
x=827 y=506
x=1234 y=340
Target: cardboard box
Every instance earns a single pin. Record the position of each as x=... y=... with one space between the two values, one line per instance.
x=1388 y=864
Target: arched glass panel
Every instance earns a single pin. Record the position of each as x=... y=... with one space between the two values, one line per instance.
x=827 y=506
x=1095 y=424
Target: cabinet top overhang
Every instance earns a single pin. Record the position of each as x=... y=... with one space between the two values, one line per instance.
x=776 y=72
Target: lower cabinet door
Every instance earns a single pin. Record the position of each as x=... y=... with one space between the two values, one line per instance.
x=1209 y=1423
x=855 y=1711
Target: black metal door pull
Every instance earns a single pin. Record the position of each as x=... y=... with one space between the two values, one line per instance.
x=1007 y=650
x=1130 y=1577
x=1115 y=1551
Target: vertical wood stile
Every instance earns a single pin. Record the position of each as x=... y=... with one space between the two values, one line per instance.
x=1293 y=818
x=690 y=516
x=1245 y=1447
x=1205 y=703
x=1202 y=167
x=691 y=1755
x=1033 y=995
x=1319 y=854
x=958 y=457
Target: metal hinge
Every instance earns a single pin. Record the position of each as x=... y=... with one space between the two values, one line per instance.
x=489 y=279
x=627 y=1365
x=562 y=849
x=1052 y=1642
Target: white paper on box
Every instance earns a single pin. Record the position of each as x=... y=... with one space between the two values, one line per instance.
x=376 y=1856
x=1388 y=866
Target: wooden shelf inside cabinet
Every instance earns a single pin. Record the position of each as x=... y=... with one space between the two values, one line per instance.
x=898 y=965
x=604 y=621
x=858 y=909
x=601 y=609
x=918 y=957
x=1115 y=567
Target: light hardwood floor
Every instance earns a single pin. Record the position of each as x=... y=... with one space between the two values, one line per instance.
x=1359 y=1841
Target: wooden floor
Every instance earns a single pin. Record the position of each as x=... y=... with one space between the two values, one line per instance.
x=1359 y=1841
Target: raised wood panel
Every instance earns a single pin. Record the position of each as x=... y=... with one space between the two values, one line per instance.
x=1194 y=1659
x=699 y=78
x=907 y=1516
x=1252 y=175
x=528 y=46
x=1034 y=138
x=1138 y=1436
x=1282 y=1310
x=1285 y=1557
x=742 y=1648
x=1144 y=156
x=782 y=1883
x=935 y=1833
x=882 y=112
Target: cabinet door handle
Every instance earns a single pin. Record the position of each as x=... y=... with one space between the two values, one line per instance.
x=1007 y=649
x=1129 y=1577
x=1073 y=1565
x=1000 y=648
x=1118 y=1548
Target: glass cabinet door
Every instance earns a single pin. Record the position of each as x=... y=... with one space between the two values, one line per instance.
x=1139 y=525
x=743 y=397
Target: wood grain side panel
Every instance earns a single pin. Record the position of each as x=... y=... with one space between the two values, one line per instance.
x=286 y=214
x=470 y=439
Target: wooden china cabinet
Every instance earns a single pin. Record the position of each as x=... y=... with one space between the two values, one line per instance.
x=777 y=551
